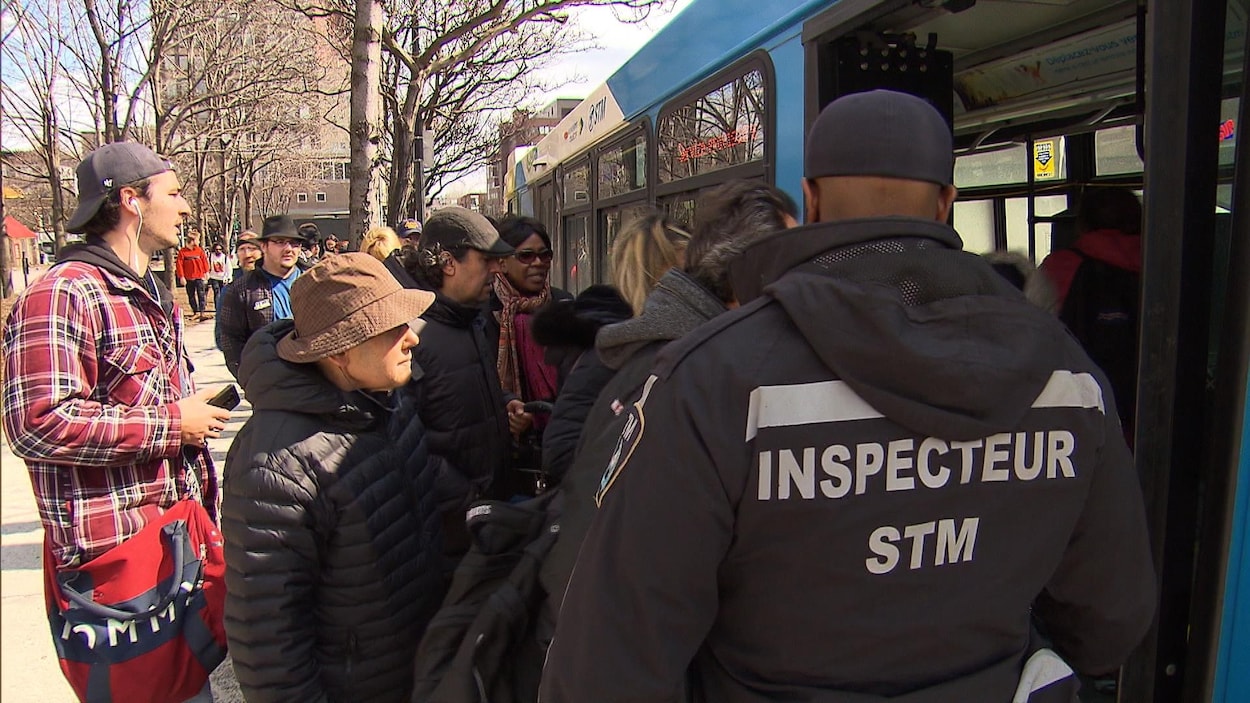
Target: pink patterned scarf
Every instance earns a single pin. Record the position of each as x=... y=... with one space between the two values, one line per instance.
x=520 y=357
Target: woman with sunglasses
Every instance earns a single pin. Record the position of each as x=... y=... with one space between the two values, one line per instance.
x=517 y=293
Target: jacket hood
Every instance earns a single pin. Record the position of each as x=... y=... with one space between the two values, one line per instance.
x=101 y=255
x=272 y=383
x=930 y=336
x=1112 y=246
x=676 y=306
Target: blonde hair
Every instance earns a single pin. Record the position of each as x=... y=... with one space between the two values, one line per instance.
x=379 y=242
x=643 y=252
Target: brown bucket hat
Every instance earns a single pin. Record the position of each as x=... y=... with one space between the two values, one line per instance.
x=343 y=302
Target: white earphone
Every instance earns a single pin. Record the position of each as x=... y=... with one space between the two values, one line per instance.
x=134 y=203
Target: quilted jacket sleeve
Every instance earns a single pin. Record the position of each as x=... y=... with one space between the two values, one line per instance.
x=272 y=565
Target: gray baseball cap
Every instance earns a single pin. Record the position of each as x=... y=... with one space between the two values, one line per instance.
x=880 y=133
x=109 y=167
x=457 y=228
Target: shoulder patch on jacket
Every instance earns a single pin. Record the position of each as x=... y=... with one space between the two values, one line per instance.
x=631 y=434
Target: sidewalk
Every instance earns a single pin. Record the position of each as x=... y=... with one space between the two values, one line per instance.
x=29 y=672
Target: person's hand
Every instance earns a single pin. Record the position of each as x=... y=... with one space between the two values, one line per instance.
x=201 y=421
x=518 y=420
x=179 y=282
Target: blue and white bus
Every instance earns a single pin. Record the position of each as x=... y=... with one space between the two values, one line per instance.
x=1046 y=98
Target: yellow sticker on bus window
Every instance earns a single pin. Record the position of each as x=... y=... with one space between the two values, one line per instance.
x=1044 y=160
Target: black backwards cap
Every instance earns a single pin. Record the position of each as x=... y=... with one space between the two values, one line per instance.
x=880 y=133
x=111 y=166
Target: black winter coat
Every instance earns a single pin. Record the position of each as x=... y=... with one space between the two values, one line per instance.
x=620 y=365
x=246 y=306
x=455 y=391
x=332 y=538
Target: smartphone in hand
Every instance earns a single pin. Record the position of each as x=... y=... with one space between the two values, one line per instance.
x=228 y=398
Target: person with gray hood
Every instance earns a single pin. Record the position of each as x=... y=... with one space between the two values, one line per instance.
x=881 y=478
x=731 y=217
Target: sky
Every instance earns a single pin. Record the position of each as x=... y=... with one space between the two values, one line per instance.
x=584 y=71
x=616 y=40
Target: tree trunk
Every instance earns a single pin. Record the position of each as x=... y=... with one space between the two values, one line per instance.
x=404 y=157
x=53 y=163
x=366 y=114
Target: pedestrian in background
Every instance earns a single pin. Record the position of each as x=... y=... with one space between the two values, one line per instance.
x=218 y=272
x=264 y=295
x=329 y=511
x=98 y=397
x=246 y=253
x=191 y=268
x=380 y=242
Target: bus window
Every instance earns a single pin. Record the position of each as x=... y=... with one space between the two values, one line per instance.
x=1115 y=151
x=998 y=166
x=1228 y=130
x=577 y=273
x=576 y=183
x=1018 y=223
x=680 y=209
x=974 y=220
x=623 y=168
x=723 y=128
x=616 y=218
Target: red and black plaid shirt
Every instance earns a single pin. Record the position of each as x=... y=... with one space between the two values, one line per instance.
x=93 y=367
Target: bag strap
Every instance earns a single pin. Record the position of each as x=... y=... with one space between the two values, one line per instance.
x=174 y=532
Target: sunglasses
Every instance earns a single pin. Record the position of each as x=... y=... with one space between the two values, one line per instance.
x=529 y=256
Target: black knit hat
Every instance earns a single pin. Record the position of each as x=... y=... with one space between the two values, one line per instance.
x=880 y=133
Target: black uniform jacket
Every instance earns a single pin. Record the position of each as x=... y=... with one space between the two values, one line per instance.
x=861 y=486
x=332 y=538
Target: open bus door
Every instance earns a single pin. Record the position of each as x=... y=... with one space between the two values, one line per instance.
x=1178 y=65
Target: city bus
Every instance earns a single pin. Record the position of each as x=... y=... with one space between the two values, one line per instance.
x=1046 y=98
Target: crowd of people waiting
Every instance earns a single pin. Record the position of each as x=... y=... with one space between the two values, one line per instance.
x=727 y=426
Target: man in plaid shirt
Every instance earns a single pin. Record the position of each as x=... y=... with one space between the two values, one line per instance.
x=97 y=394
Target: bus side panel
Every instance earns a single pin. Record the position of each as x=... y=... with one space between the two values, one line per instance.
x=1232 y=679
x=788 y=138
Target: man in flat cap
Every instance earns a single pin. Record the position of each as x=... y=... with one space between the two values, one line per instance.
x=97 y=396
x=881 y=478
x=456 y=391
x=264 y=294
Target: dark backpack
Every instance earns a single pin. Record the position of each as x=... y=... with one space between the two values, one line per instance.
x=488 y=641
x=1102 y=310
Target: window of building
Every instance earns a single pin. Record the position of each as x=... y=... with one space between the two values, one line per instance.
x=723 y=128
x=623 y=167
x=301 y=197
x=321 y=197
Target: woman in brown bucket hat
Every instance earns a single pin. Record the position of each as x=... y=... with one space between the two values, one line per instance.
x=329 y=511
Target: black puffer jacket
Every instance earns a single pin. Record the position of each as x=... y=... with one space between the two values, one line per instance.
x=455 y=391
x=332 y=537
